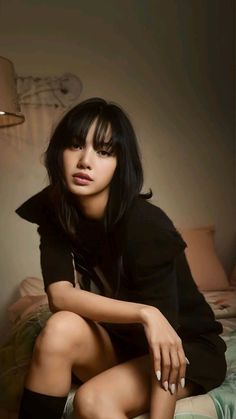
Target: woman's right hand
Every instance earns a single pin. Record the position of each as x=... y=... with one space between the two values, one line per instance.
x=166 y=348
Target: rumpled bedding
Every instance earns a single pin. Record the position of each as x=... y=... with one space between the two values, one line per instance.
x=223 y=303
x=15 y=355
x=30 y=316
x=224 y=397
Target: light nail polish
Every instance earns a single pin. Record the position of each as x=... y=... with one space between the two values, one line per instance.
x=172 y=388
x=165 y=384
x=182 y=382
x=158 y=374
x=187 y=361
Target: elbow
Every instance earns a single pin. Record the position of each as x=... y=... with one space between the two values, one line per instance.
x=53 y=306
x=58 y=297
x=55 y=303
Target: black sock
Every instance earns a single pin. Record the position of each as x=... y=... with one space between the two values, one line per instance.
x=41 y=406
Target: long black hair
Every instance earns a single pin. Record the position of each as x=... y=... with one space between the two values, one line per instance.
x=127 y=180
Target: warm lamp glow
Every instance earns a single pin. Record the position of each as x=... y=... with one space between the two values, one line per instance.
x=9 y=106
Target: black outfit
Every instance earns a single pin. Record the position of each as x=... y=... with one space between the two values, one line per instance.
x=144 y=262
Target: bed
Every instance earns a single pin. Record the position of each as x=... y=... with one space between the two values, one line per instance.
x=30 y=312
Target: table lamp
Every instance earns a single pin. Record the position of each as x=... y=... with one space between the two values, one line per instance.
x=9 y=107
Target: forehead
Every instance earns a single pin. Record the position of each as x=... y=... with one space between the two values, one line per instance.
x=99 y=132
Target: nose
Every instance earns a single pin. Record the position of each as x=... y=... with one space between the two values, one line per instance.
x=85 y=158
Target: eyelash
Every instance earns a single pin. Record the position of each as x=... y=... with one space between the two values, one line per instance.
x=76 y=147
x=105 y=152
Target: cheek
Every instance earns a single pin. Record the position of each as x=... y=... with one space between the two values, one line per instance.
x=112 y=169
x=66 y=162
x=114 y=164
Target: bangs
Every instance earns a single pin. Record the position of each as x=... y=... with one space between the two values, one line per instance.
x=103 y=137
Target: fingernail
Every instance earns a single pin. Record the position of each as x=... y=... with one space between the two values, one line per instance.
x=182 y=382
x=165 y=384
x=172 y=388
x=158 y=374
x=187 y=360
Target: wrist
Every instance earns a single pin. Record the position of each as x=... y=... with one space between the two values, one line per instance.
x=146 y=312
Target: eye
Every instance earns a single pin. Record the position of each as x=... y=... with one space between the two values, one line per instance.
x=104 y=153
x=76 y=147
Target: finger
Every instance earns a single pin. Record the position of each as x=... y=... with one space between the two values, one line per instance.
x=187 y=361
x=165 y=367
x=182 y=370
x=174 y=369
x=157 y=361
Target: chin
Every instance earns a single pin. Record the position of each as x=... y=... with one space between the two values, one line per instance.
x=79 y=190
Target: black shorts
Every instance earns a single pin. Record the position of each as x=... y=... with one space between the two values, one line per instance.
x=206 y=353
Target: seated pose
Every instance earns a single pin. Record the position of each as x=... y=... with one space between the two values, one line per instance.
x=135 y=331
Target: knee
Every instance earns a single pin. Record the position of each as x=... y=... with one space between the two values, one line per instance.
x=62 y=332
x=90 y=402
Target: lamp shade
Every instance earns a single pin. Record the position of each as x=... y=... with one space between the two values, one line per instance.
x=9 y=107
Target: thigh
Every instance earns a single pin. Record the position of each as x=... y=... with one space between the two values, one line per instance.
x=125 y=387
x=96 y=352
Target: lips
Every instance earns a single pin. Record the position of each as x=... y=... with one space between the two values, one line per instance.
x=82 y=179
x=81 y=175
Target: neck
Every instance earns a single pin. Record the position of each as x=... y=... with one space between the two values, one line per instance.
x=93 y=206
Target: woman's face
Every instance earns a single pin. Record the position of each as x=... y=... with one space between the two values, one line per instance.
x=88 y=172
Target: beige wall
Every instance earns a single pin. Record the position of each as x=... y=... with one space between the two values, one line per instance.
x=170 y=65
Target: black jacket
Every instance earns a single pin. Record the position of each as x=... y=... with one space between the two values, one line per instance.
x=144 y=261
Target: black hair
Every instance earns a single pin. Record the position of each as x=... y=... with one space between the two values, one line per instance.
x=127 y=180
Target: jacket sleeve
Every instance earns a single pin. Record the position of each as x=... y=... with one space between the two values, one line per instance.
x=151 y=267
x=55 y=256
x=55 y=249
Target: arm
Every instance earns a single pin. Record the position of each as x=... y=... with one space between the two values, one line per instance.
x=150 y=263
x=58 y=273
x=62 y=296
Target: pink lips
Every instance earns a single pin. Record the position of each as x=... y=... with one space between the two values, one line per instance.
x=82 y=178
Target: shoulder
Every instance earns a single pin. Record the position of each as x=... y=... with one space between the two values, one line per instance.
x=147 y=219
x=151 y=232
x=37 y=208
x=149 y=214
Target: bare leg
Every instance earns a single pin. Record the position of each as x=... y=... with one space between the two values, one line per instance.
x=68 y=341
x=110 y=390
x=162 y=405
x=125 y=391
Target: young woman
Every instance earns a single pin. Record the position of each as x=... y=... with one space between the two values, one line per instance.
x=146 y=337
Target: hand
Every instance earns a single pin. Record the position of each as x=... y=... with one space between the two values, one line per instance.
x=166 y=348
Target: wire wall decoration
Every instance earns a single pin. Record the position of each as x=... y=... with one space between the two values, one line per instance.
x=55 y=91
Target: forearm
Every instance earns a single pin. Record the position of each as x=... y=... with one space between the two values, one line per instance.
x=96 y=307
